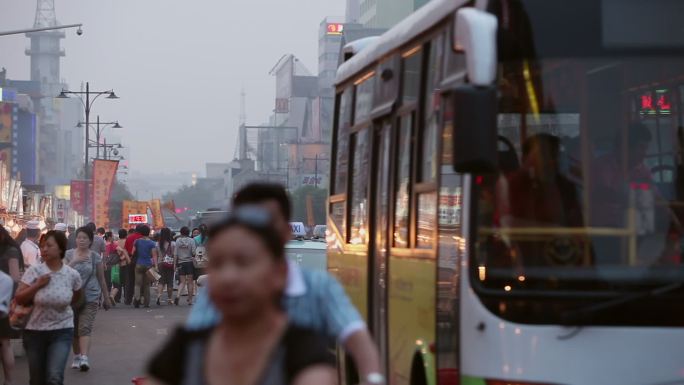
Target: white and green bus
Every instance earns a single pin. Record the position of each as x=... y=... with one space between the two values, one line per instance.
x=507 y=192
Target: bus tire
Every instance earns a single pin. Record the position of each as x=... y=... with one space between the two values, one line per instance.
x=418 y=375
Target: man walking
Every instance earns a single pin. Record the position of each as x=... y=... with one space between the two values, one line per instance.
x=29 y=248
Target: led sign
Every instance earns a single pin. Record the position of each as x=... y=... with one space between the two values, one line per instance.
x=137 y=219
x=335 y=28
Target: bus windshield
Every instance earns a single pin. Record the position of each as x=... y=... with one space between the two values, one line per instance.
x=588 y=200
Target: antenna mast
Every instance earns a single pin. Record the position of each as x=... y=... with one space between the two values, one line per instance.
x=45 y=14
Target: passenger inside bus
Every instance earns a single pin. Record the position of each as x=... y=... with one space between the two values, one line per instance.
x=538 y=196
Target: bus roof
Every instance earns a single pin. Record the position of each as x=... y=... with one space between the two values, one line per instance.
x=418 y=22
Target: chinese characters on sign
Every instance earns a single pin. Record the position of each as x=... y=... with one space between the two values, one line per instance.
x=104 y=172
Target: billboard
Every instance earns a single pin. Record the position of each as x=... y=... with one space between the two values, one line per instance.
x=104 y=173
x=133 y=209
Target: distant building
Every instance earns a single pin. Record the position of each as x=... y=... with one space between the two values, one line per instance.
x=353 y=11
x=216 y=170
x=386 y=13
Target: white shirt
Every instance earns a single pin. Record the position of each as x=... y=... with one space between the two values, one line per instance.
x=52 y=304
x=31 y=253
x=6 y=287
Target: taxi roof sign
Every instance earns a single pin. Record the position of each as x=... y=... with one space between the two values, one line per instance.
x=298 y=229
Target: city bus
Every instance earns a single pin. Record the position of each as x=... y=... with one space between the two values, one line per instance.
x=507 y=192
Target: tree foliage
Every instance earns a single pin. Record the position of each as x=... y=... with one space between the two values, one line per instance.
x=120 y=193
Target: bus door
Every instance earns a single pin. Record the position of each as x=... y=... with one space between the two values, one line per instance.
x=380 y=236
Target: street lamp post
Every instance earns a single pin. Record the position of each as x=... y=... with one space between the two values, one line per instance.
x=87 y=104
x=99 y=131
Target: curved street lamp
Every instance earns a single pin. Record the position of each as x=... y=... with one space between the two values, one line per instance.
x=87 y=105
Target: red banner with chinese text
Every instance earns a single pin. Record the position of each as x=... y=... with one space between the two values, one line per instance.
x=77 y=197
x=104 y=172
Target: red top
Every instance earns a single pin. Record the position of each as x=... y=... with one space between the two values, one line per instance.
x=130 y=240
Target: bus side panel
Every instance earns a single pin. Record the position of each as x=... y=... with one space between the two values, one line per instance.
x=411 y=313
x=351 y=269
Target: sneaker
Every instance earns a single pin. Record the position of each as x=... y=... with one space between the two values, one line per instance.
x=77 y=362
x=85 y=366
x=136 y=303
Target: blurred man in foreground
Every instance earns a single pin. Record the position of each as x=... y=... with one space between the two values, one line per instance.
x=313 y=299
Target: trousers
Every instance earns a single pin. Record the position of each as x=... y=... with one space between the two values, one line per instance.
x=47 y=353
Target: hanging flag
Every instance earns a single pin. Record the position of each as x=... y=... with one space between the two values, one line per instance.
x=156 y=208
x=77 y=195
x=104 y=172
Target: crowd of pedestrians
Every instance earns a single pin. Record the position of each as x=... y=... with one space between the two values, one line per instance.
x=261 y=319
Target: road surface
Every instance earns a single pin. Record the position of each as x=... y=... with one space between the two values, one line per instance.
x=123 y=340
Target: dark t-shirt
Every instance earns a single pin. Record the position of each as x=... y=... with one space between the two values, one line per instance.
x=7 y=253
x=182 y=361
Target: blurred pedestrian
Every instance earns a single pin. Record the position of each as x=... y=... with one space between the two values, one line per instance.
x=195 y=232
x=313 y=298
x=51 y=287
x=184 y=256
x=166 y=249
x=125 y=267
x=71 y=239
x=130 y=273
x=11 y=264
x=254 y=343
x=201 y=256
x=145 y=255
x=89 y=265
x=113 y=257
x=99 y=246
x=29 y=247
x=61 y=227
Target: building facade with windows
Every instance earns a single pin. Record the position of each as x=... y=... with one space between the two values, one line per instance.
x=386 y=13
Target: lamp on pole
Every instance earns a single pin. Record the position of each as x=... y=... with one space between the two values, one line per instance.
x=87 y=104
x=99 y=131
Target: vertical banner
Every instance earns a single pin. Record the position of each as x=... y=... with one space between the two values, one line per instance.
x=104 y=172
x=156 y=208
x=77 y=195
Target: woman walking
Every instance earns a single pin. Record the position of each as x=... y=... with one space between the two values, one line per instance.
x=184 y=256
x=254 y=343
x=166 y=249
x=89 y=265
x=51 y=287
x=11 y=263
x=201 y=256
x=124 y=268
x=145 y=254
x=114 y=255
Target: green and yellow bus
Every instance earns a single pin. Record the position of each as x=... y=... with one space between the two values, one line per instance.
x=507 y=192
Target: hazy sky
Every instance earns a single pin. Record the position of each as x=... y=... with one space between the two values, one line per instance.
x=177 y=65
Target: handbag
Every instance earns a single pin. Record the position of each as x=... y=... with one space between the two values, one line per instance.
x=19 y=315
x=80 y=304
x=153 y=274
x=167 y=261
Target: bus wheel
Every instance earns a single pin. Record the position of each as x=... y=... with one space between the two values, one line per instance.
x=418 y=376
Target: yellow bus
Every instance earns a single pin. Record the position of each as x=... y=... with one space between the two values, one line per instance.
x=507 y=192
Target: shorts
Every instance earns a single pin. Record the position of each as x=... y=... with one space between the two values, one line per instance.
x=166 y=275
x=198 y=273
x=6 y=332
x=85 y=319
x=186 y=268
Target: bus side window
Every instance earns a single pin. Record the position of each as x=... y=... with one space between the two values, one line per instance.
x=428 y=165
x=402 y=186
x=340 y=166
x=358 y=224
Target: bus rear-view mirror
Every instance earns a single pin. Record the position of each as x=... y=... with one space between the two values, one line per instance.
x=474 y=129
x=475 y=34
